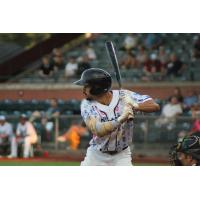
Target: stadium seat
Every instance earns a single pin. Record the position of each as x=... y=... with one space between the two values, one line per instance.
x=182 y=44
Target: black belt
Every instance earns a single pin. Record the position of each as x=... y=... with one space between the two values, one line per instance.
x=113 y=152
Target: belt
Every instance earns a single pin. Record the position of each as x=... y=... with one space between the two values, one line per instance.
x=113 y=152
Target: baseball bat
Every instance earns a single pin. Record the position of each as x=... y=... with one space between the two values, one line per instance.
x=113 y=58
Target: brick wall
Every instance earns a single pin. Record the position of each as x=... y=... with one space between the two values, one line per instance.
x=27 y=94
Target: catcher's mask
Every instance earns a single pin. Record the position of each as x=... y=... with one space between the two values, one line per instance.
x=190 y=145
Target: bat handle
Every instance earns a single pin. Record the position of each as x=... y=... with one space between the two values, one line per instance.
x=130 y=117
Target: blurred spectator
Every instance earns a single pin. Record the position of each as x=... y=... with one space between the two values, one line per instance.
x=73 y=135
x=196 y=124
x=25 y=135
x=46 y=68
x=195 y=109
x=130 y=42
x=170 y=111
x=47 y=119
x=57 y=59
x=6 y=135
x=83 y=65
x=189 y=100
x=57 y=52
x=198 y=97
x=195 y=128
x=71 y=67
x=152 y=41
x=196 y=50
x=181 y=135
x=162 y=55
x=129 y=61
x=141 y=55
x=178 y=94
x=153 y=69
x=90 y=53
x=174 y=66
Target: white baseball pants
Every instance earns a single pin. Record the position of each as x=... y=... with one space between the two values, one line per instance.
x=97 y=158
x=27 y=141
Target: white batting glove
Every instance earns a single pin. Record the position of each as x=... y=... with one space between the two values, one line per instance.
x=126 y=114
x=129 y=101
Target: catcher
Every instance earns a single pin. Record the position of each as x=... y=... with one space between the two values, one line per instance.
x=108 y=115
x=186 y=152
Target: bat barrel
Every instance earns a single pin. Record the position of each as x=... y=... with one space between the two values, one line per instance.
x=113 y=58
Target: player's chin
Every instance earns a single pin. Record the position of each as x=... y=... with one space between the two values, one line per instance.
x=86 y=96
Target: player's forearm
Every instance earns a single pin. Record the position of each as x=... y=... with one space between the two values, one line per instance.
x=101 y=129
x=105 y=128
x=148 y=106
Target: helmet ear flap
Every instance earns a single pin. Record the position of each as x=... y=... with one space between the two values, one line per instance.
x=96 y=90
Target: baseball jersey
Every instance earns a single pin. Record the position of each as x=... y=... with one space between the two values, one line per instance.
x=122 y=136
x=26 y=130
x=7 y=129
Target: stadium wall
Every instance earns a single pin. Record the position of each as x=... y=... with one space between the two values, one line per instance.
x=69 y=92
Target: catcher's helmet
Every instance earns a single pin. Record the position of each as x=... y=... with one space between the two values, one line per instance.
x=98 y=79
x=190 y=145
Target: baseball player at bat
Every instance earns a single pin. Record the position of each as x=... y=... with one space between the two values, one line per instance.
x=106 y=113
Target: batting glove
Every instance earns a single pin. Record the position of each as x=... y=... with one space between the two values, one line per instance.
x=126 y=114
x=129 y=101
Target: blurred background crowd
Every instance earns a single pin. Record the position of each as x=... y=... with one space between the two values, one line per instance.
x=166 y=65
x=142 y=57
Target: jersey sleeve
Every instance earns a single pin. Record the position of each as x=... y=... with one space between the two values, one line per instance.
x=139 y=98
x=88 y=110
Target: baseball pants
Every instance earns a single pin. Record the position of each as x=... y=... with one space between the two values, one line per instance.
x=95 y=157
x=27 y=141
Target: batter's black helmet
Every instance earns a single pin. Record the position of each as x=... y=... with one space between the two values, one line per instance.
x=99 y=80
x=190 y=145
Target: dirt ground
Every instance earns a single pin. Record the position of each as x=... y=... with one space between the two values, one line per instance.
x=77 y=157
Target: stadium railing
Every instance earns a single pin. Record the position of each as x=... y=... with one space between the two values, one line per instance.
x=145 y=130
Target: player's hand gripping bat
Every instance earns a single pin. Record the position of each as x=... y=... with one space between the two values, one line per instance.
x=113 y=58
